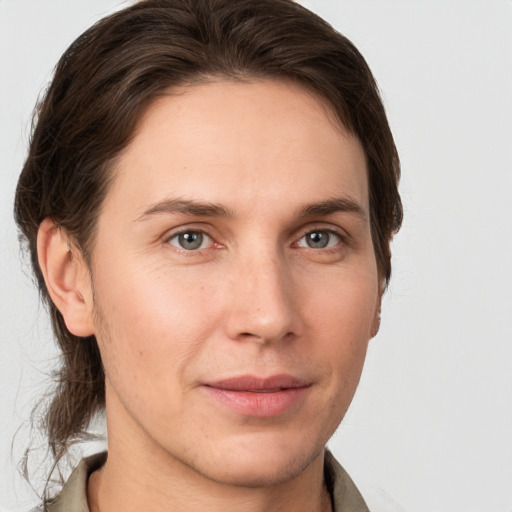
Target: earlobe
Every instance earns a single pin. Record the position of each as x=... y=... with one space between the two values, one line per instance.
x=67 y=278
x=376 y=318
x=376 y=324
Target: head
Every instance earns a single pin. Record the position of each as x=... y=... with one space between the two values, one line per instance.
x=130 y=74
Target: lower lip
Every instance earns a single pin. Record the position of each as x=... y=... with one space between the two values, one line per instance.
x=260 y=405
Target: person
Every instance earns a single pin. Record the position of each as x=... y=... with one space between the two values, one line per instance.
x=208 y=201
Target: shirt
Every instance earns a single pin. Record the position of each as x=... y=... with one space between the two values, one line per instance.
x=73 y=497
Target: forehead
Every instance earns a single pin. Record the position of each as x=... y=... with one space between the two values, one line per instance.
x=239 y=144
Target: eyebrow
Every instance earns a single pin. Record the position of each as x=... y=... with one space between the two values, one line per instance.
x=331 y=206
x=186 y=207
x=207 y=209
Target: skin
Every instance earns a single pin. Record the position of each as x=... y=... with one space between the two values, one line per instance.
x=257 y=297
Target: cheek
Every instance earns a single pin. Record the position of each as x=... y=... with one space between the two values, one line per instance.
x=341 y=315
x=153 y=322
x=344 y=302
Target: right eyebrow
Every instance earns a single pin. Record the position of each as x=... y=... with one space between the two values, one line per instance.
x=185 y=207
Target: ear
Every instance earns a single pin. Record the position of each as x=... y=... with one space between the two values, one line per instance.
x=67 y=278
x=376 y=318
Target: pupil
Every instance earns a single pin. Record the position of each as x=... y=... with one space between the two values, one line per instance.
x=191 y=240
x=318 y=240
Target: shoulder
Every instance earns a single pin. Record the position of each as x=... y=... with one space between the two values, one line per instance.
x=73 y=496
x=345 y=495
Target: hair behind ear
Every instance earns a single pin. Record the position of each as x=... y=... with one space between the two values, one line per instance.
x=79 y=392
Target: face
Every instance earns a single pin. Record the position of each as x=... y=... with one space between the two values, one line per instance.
x=235 y=282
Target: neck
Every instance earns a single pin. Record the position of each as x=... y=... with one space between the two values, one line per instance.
x=130 y=484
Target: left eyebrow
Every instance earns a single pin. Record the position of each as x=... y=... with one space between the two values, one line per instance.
x=335 y=205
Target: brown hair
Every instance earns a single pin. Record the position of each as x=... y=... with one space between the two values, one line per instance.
x=108 y=77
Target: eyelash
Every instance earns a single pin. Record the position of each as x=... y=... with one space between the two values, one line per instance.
x=330 y=232
x=200 y=232
x=341 y=240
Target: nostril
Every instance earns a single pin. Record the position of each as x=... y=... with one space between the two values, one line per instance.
x=264 y=339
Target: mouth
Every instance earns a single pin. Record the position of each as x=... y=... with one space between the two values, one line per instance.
x=259 y=397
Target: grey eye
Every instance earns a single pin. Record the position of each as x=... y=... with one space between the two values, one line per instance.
x=190 y=240
x=319 y=239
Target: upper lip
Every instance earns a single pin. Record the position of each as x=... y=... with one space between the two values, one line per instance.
x=254 y=383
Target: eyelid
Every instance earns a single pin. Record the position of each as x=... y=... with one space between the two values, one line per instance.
x=177 y=231
x=207 y=239
x=339 y=240
x=327 y=227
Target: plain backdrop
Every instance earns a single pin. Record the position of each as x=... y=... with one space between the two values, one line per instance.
x=430 y=429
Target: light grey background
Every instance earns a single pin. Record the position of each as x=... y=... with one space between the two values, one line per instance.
x=430 y=429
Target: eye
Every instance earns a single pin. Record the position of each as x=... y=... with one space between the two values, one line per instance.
x=319 y=239
x=190 y=240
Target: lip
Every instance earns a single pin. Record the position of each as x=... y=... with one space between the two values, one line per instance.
x=259 y=397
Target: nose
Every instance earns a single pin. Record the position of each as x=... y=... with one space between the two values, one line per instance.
x=263 y=301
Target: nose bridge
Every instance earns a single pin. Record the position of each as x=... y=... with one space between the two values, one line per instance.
x=262 y=297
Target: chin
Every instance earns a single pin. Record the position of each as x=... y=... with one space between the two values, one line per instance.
x=260 y=464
